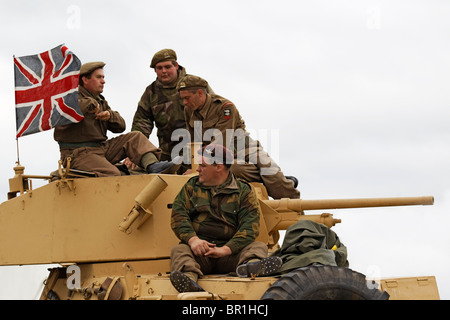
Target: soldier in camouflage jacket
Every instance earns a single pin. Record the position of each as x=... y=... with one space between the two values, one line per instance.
x=160 y=104
x=217 y=219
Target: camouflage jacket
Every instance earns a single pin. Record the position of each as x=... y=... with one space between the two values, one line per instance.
x=161 y=106
x=90 y=129
x=225 y=215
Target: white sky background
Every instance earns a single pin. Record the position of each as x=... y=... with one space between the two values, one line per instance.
x=356 y=93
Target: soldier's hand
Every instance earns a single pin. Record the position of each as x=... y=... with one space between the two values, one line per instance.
x=103 y=116
x=199 y=247
x=129 y=164
x=218 y=252
x=95 y=110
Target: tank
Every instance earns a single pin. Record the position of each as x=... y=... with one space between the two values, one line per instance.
x=111 y=239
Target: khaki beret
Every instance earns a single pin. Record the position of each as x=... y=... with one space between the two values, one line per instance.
x=163 y=55
x=91 y=66
x=190 y=82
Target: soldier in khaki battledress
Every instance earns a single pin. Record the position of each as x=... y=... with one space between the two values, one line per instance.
x=86 y=142
x=217 y=219
x=220 y=120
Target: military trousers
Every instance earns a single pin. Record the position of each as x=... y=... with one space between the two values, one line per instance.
x=253 y=164
x=101 y=159
x=183 y=259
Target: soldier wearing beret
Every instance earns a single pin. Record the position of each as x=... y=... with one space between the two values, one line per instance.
x=217 y=219
x=160 y=104
x=86 y=142
x=216 y=113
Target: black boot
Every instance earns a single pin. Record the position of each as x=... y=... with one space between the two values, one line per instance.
x=183 y=283
x=165 y=166
x=293 y=179
x=261 y=268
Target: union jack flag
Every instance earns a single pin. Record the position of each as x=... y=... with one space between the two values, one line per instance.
x=46 y=90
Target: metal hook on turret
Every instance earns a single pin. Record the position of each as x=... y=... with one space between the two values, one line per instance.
x=63 y=172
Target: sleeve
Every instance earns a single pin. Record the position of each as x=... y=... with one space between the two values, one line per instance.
x=86 y=104
x=227 y=119
x=180 y=220
x=116 y=123
x=249 y=222
x=143 y=119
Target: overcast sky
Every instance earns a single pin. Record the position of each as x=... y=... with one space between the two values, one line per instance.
x=356 y=94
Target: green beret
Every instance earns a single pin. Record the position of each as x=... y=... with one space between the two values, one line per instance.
x=163 y=55
x=91 y=66
x=190 y=82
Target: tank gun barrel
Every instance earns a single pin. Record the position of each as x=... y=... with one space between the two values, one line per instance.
x=300 y=204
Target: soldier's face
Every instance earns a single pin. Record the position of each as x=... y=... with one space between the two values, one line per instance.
x=167 y=72
x=192 y=100
x=207 y=173
x=96 y=82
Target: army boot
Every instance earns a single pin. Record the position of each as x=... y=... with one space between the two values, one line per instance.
x=294 y=179
x=165 y=166
x=183 y=283
x=259 y=268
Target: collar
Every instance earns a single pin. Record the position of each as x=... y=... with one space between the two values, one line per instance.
x=86 y=92
x=229 y=186
x=205 y=109
x=181 y=74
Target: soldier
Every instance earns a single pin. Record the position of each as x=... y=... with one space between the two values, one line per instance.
x=160 y=105
x=86 y=142
x=210 y=115
x=216 y=217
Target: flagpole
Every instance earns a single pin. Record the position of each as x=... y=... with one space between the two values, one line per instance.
x=17 y=147
x=17 y=138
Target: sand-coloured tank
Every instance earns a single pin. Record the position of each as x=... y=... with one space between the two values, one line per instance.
x=112 y=239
